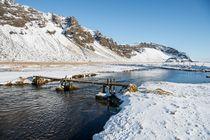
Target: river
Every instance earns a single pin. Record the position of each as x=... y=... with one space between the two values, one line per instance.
x=42 y=113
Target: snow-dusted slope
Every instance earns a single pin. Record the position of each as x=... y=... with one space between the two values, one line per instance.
x=34 y=44
x=150 y=55
x=29 y=35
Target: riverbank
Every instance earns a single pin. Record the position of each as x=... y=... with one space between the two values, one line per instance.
x=184 y=114
x=13 y=72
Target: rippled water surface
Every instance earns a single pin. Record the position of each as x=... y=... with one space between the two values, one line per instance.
x=42 y=113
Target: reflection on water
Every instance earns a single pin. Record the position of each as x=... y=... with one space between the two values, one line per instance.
x=31 y=113
x=139 y=77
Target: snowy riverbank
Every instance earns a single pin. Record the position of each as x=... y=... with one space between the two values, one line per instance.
x=187 y=66
x=182 y=115
x=12 y=72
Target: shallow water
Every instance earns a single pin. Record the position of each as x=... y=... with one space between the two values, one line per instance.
x=139 y=77
x=31 y=113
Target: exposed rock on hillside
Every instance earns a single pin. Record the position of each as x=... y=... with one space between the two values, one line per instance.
x=18 y=16
x=122 y=50
x=180 y=56
x=74 y=31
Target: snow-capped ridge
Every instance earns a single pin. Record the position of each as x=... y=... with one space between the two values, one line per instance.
x=30 y=35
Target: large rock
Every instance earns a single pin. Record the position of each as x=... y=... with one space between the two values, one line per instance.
x=72 y=21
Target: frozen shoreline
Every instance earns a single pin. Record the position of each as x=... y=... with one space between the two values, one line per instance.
x=14 y=72
x=182 y=115
x=144 y=115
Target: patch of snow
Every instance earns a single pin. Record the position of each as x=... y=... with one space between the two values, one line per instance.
x=150 y=55
x=182 y=115
x=89 y=30
x=13 y=72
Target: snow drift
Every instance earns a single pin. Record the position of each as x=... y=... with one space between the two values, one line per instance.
x=182 y=115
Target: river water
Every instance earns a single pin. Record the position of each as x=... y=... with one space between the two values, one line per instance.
x=42 y=113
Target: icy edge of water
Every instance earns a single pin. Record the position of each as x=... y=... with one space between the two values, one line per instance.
x=182 y=115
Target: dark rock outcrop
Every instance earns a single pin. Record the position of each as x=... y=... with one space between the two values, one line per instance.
x=122 y=50
x=75 y=32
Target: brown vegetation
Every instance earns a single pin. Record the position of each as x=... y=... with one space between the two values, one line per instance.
x=162 y=92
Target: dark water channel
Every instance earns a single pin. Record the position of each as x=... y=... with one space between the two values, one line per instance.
x=31 y=113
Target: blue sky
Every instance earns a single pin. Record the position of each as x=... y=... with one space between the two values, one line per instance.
x=182 y=24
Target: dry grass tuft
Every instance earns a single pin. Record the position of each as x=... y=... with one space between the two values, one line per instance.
x=158 y=91
x=162 y=92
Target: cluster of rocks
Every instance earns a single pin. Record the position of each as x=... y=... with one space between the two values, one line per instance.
x=84 y=38
x=122 y=50
x=21 y=32
x=74 y=31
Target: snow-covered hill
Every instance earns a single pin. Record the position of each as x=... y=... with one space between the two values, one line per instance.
x=29 y=35
x=150 y=55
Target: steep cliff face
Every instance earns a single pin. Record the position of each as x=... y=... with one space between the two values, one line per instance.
x=29 y=35
x=112 y=45
x=74 y=31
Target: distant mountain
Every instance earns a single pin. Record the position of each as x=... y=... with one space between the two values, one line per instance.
x=29 y=35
